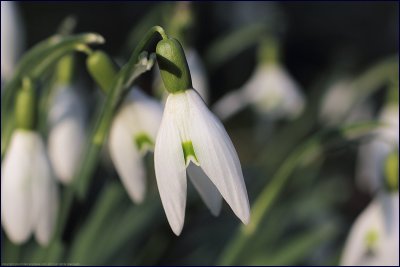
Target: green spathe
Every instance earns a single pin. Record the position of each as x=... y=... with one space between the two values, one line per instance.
x=102 y=69
x=173 y=66
x=26 y=106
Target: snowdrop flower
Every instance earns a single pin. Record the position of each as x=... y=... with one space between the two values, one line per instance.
x=11 y=38
x=339 y=104
x=374 y=237
x=191 y=138
x=133 y=133
x=29 y=195
x=373 y=154
x=198 y=72
x=270 y=90
x=67 y=132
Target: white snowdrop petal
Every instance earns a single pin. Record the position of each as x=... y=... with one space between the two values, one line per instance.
x=370 y=165
x=67 y=133
x=382 y=218
x=207 y=190
x=230 y=104
x=274 y=92
x=198 y=73
x=217 y=156
x=127 y=160
x=44 y=195
x=149 y=111
x=11 y=38
x=170 y=172
x=16 y=204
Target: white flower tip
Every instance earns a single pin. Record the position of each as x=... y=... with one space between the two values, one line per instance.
x=136 y=196
x=246 y=218
x=176 y=228
x=215 y=211
x=17 y=237
x=43 y=239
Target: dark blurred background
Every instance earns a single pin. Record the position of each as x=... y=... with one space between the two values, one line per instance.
x=316 y=35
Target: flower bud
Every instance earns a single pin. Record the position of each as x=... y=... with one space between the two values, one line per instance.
x=102 y=69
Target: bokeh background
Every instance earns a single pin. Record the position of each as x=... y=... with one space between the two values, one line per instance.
x=310 y=218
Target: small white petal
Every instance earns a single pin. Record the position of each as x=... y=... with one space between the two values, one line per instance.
x=370 y=165
x=11 y=38
x=146 y=110
x=44 y=195
x=230 y=104
x=217 y=156
x=126 y=158
x=16 y=204
x=206 y=188
x=67 y=133
x=274 y=92
x=381 y=217
x=198 y=73
x=170 y=171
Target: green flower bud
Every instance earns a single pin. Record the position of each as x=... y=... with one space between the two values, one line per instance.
x=26 y=106
x=173 y=66
x=65 y=69
x=102 y=69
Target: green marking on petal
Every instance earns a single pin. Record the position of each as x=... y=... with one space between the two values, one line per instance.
x=143 y=142
x=392 y=171
x=371 y=238
x=188 y=152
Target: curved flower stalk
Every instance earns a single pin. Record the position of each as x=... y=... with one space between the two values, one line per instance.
x=11 y=38
x=191 y=138
x=373 y=154
x=374 y=237
x=132 y=135
x=198 y=72
x=270 y=90
x=67 y=132
x=29 y=194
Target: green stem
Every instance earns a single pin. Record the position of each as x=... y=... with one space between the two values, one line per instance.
x=270 y=193
x=103 y=121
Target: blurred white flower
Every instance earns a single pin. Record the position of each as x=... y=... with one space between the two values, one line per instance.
x=198 y=74
x=133 y=133
x=339 y=104
x=191 y=136
x=372 y=155
x=11 y=38
x=66 y=132
x=374 y=237
x=270 y=90
x=29 y=194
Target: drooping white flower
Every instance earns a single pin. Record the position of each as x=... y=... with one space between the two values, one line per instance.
x=372 y=155
x=133 y=133
x=29 y=194
x=11 y=38
x=374 y=237
x=339 y=104
x=67 y=132
x=198 y=72
x=270 y=90
x=191 y=136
